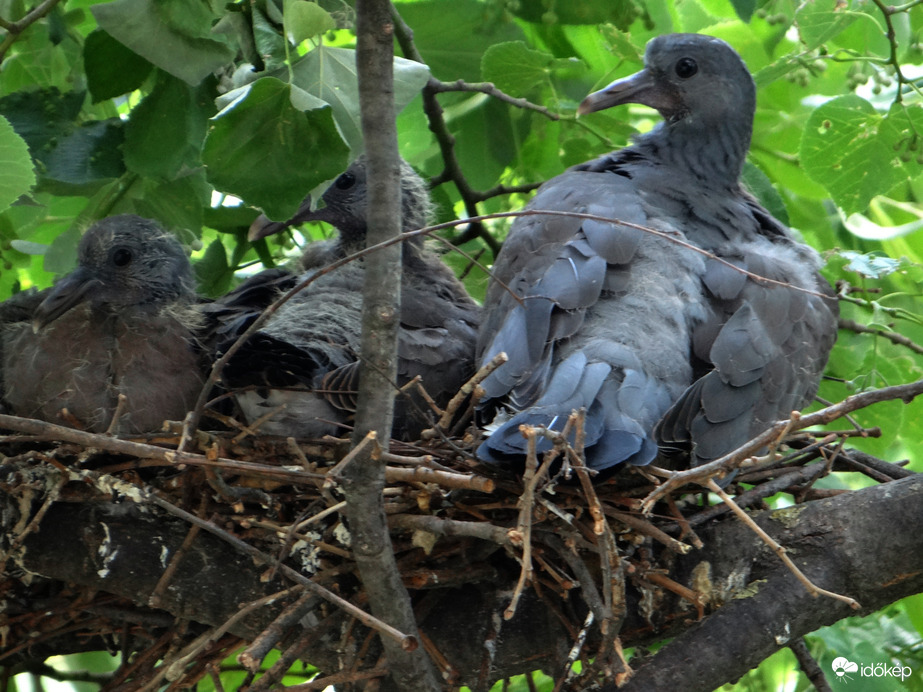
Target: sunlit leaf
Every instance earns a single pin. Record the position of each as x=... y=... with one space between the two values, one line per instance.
x=16 y=174
x=286 y=152
x=172 y=34
x=305 y=19
x=858 y=153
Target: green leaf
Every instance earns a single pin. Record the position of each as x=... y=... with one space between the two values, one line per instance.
x=620 y=44
x=759 y=184
x=112 y=68
x=873 y=265
x=167 y=128
x=515 y=68
x=744 y=8
x=330 y=75
x=172 y=34
x=820 y=21
x=621 y=13
x=42 y=116
x=269 y=44
x=176 y=204
x=61 y=255
x=212 y=271
x=85 y=159
x=305 y=19
x=853 y=150
x=285 y=153
x=452 y=36
x=16 y=174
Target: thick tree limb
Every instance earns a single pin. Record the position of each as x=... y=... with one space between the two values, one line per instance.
x=849 y=544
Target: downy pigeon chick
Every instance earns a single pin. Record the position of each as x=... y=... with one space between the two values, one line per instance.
x=306 y=355
x=123 y=322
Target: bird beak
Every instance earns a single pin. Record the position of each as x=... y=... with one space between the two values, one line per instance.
x=64 y=295
x=642 y=87
x=262 y=226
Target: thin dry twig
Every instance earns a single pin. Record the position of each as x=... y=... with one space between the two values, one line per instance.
x=779 y=550
x=730 y=461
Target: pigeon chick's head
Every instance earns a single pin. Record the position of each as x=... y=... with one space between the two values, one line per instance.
x=685 y=76
x=345 y=205
x=700 y=86
x=122 y=261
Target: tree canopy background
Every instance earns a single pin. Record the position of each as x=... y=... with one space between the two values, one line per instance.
x=202 y=113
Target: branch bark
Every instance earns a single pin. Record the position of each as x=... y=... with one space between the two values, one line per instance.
x=850 y=544
x=363 y=480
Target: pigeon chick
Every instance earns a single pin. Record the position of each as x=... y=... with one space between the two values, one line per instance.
x=664 y=339
x=123 y=322
x=307 y=354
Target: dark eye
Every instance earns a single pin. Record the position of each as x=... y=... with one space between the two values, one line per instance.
x=686 y=67
x=345 y=181
x=121 y=256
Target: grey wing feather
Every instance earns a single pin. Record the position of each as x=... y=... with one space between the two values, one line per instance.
x=767 y=345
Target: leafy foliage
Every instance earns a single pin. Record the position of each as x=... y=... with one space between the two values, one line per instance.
x=176 y=110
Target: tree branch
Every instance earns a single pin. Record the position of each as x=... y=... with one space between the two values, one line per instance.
x=364 y=479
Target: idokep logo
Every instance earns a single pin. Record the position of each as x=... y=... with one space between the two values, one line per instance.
x=845 y=670
x=843 y=667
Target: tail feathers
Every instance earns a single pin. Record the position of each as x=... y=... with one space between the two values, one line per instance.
x=611 y=436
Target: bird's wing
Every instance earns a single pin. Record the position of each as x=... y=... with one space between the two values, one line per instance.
x=599 y=309
x=762 y=346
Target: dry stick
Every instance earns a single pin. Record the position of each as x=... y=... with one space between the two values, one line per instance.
x=139 y=494
x=587 y=585
x=893 y=337
x=337 y=678
x=141 y=450
x=806 y=474
x=156 y=597
x=174 y=668
x=451 y=527
x=120 y=403
x=33 y=524
x=644 y=527
x=684 y=525
x=906 y=392
x=252 y=657
x=335 y=475
x=778 y=549
x=575 y=454
x=574 y=654
x=694 y=597
x=469 y=387
x=421 y=474
x=524 y=526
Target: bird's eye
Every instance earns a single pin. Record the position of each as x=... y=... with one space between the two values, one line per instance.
x=121 y=256
x=345 y=181
x=686 y=67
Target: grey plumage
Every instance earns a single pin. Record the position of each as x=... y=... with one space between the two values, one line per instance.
x=670 y=351
x=123 y=322
x=306 y=355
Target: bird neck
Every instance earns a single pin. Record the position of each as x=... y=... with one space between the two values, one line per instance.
x=714 y=154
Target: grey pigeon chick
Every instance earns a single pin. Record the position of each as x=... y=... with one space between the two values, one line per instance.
x=671 y=352
x=123 y=322
x=306 y=355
